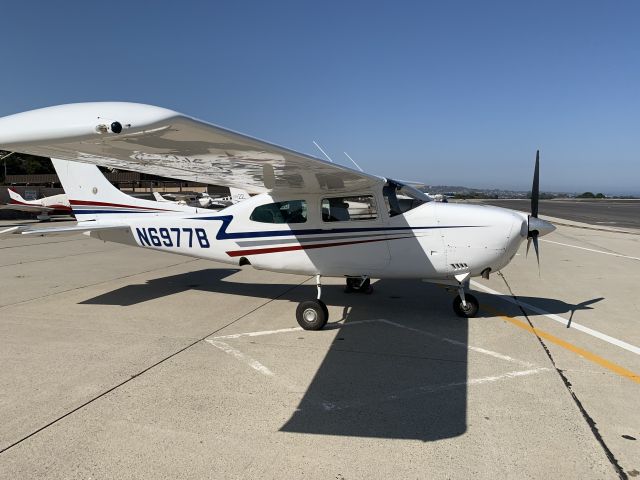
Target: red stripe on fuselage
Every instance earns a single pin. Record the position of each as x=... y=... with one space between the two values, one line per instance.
x=63 y=208
x=60 y=207
x=105 y=204
x=258 y=251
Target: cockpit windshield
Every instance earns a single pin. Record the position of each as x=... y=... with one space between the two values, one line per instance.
x=400 y=197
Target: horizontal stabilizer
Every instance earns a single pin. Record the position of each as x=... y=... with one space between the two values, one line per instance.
x=66 y=230
x=26 y=208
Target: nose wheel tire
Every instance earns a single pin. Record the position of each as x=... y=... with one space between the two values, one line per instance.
x=312 y=314
x=358 y=286
x=468 y=311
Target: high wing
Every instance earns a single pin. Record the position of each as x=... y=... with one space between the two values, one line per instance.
x=162 y=142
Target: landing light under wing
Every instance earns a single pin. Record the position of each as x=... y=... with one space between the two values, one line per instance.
x=162 y=142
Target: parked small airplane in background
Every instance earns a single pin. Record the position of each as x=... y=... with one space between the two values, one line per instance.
x=43 y=208
x=203 y=200
x=438 y=197
x=310 y=216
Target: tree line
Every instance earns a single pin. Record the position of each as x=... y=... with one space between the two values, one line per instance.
x=23 y=164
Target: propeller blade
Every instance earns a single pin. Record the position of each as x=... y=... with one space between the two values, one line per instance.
x=535 y=247
x=528 y=246
x=535 y=188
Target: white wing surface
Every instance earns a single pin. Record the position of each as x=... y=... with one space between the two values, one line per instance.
x=162 y=142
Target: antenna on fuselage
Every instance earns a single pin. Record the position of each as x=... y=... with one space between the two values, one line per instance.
x=323 y=152
x=353 y=161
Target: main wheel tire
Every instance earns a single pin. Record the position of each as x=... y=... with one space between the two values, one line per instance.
x=312 y=314
x=326 y=310
x=471 y=309
x=357 y=285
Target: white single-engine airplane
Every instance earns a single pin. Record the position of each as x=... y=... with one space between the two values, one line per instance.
x=309 y=216
x=43 y=208
x=203 y=200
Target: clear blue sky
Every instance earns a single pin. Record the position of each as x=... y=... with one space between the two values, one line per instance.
x=442 y=92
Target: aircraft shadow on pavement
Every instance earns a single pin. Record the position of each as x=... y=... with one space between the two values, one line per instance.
x=382 y=377
x=218 y=280
x=376 y=379
x=207 y=280
x=403 y=378
x=550 y=305
x=396 y=369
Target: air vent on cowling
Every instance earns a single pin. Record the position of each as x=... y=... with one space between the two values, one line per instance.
x=459 y=266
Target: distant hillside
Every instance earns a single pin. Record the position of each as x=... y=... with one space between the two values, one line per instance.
x=456 y=191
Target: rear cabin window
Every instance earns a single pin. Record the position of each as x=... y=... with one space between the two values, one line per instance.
x=291 y=211
x=343 y=209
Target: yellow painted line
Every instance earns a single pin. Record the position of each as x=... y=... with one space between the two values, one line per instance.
x=592 y=357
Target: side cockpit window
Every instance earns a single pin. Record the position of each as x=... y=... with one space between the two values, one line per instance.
x=342 y=209
x=291 y=211
x=400 y=198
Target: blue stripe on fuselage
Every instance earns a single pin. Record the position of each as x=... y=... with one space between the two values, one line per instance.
x=226 y=220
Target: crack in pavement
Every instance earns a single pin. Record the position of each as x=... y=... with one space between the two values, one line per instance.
x=588 y=419
x=145 y=370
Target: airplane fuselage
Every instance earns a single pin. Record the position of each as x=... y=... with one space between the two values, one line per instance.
x=432 y=241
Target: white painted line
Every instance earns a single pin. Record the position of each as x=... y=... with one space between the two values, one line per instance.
x=495 y=378
x=459 y=344
x=329 y=406
x=253 y=363
x=258 y=334
x=282 y=330
x=413 y=392
x=9 y=230
x=591 y=250
x=563 y=321
x=380 y=320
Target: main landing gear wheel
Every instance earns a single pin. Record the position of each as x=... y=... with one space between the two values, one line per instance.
x=466 y=311
x=312 y=314
x=358 y=285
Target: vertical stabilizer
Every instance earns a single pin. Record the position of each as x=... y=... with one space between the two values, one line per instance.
x=160 y=198
x=16 y=198
x=93 y=197
x=237 y=194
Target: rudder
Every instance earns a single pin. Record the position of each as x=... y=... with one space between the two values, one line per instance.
x=92 y=196
x=16 y=197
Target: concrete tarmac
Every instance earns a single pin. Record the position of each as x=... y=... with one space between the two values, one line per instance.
x=127 y=363
x=613 y=213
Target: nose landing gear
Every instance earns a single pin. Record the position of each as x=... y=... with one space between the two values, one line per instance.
x=313 y=314
x=465 y=305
